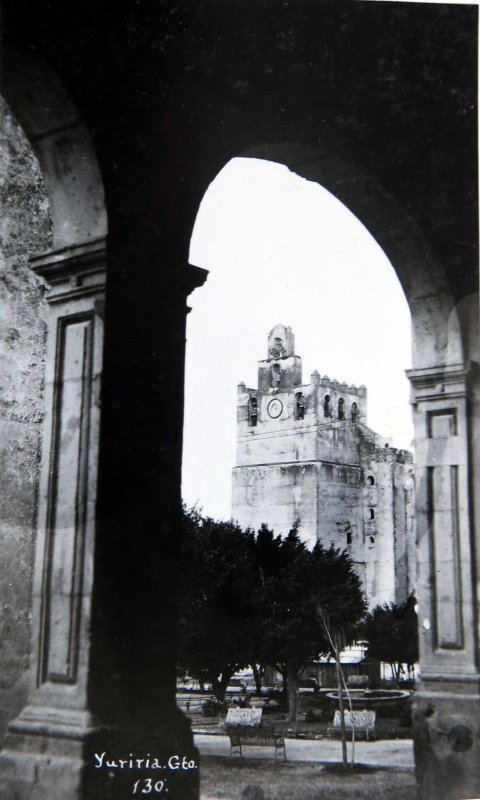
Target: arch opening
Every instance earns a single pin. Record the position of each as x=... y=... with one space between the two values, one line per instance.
x=270 y=240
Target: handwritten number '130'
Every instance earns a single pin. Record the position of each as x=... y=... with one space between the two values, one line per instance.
x=148 y=786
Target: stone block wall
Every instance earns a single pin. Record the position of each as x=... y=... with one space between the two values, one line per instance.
x=277 y=495
x=24 y=229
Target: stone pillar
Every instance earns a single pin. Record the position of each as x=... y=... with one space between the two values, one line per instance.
x=103 y=649
x=447 y=707
x=44 y=745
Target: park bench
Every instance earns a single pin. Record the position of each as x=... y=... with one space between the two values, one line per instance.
x=360 y=721
x=244 y=728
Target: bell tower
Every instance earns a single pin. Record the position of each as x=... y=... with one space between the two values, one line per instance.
x=305 y=452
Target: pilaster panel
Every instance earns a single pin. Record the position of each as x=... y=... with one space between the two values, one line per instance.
x=446 y=702
x=445 y=548
x=56 y=727
x=67 y=499
x=64 y=556
x=445 y=552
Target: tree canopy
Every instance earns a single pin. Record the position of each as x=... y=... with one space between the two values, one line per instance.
x=392 y=634
x=255 y=599
x=298 y=584
x=218 y=599
x=297 y=581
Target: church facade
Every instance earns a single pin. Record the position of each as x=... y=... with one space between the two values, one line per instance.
x=305 y=452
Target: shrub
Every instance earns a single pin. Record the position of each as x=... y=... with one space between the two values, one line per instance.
x=213 y=708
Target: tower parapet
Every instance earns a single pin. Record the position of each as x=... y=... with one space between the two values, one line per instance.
x=323 y=401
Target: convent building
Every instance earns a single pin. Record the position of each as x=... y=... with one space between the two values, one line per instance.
x=305 y=452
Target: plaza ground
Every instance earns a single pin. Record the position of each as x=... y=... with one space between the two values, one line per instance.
x=385 y=754
x=312 y=772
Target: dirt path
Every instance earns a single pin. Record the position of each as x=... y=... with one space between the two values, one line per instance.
x=396 y=753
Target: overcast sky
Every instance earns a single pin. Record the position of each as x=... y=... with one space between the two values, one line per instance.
x=282 y=249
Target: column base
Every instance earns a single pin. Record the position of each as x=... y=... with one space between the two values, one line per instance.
x=58 y=755
x=446 y=740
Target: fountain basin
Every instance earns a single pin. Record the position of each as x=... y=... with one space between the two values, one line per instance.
x=374 y=698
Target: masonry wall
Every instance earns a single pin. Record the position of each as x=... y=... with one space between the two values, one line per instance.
x=277 y=495
x=24 y=229
x=381 y=529
x=326 y=498
x=404 y=527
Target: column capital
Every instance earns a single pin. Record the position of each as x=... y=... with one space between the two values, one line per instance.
x=184 y=282
x=193 y=278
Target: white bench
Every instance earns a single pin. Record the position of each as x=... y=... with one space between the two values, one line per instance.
x=360 y=721
x=244 y=728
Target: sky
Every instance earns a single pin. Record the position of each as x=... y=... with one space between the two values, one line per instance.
x=280 y=248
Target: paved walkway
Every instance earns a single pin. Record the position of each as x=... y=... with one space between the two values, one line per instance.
x=396 y=753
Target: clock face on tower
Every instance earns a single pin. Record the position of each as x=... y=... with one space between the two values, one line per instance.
x=275 y=408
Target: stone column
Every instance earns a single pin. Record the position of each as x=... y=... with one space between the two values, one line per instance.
x=103 y=647
x=446 y=708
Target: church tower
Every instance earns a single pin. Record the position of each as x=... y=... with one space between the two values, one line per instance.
x=305 y=452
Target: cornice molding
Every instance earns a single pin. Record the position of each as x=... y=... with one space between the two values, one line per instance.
x=446 y=380
x=60 y=265
x=81 y=269
x=74 y=271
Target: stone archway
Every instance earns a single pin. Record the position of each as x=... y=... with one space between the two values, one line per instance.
x=445 y=389
x=62 y=146
x=158 y=143
x=437 y=332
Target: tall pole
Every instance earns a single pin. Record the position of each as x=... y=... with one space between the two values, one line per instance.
x=341 y=708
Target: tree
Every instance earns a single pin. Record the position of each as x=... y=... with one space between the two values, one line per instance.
x=295 y=582
x=254 y=600
x=392 y=634
x=218 y=601
x=337 y=644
